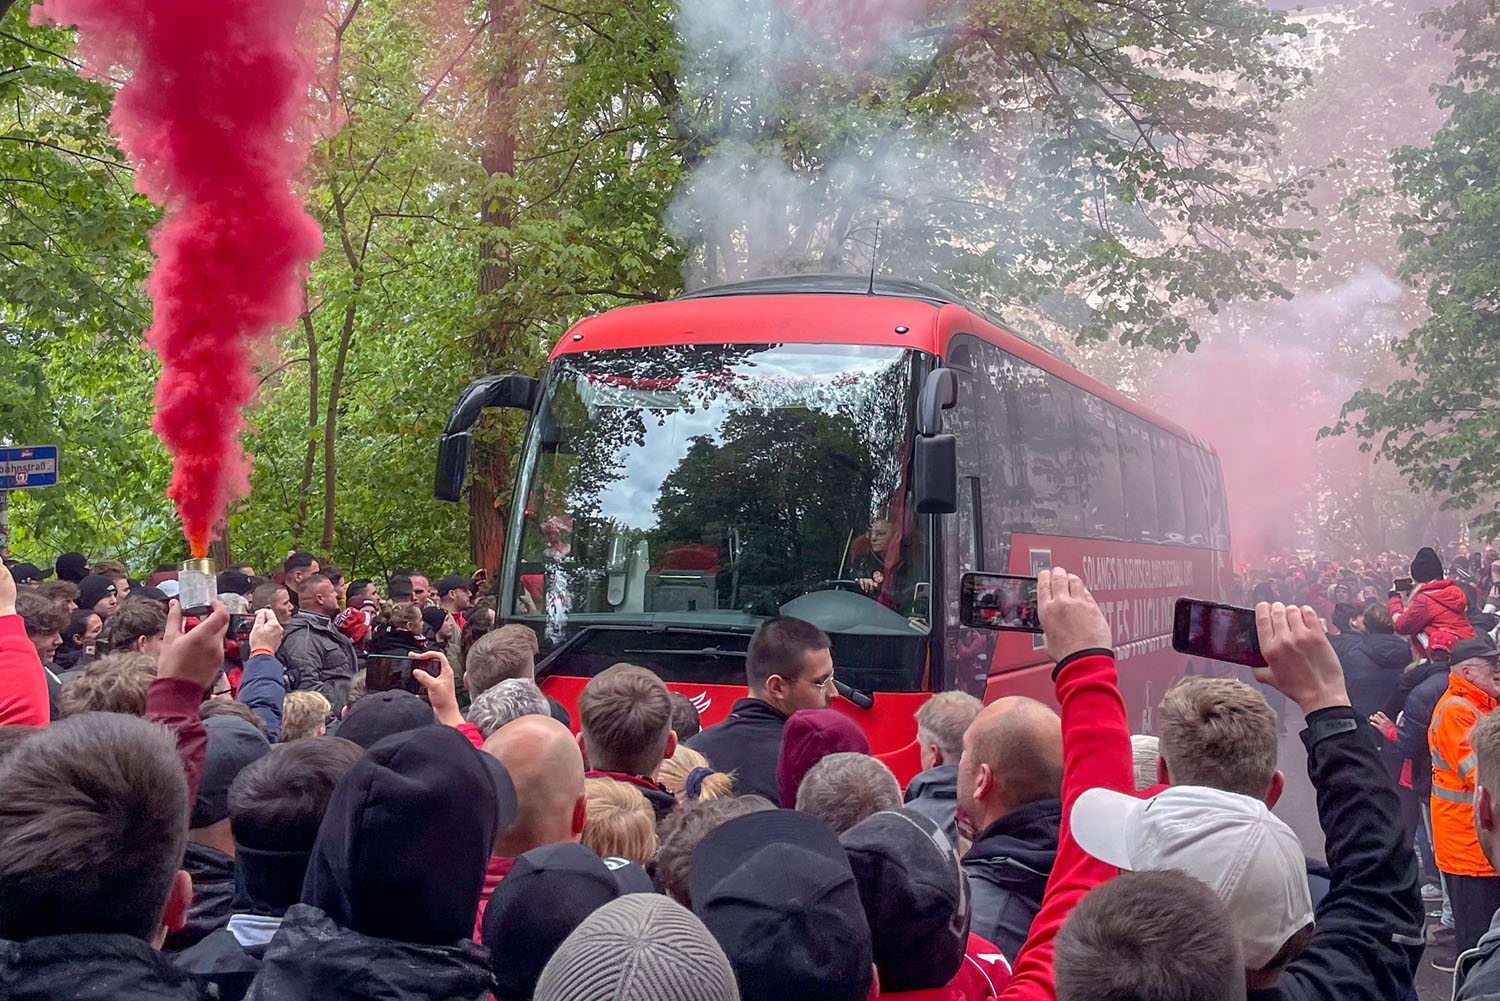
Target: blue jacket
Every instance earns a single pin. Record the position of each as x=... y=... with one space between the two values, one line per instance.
x=263 y=689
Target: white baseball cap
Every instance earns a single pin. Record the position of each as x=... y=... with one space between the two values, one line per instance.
x=169 y=587
x=1245 y=854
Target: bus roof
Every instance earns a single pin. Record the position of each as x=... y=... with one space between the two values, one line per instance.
x=826 y=309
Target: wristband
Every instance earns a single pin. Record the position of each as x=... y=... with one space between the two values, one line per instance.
x=1330 y=725
x=1092 y=652
x=262 y=650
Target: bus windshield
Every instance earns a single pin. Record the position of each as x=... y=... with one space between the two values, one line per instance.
x=722 y=484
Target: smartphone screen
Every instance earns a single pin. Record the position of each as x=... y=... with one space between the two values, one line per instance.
x=1401 y=585
x=1218 y=632
x=999 y=601
x=240 y=625
x=389 y=672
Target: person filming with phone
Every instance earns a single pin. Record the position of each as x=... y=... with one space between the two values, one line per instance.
x=1429 y=608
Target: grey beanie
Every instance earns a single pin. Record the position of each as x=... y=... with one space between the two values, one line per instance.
x=640 y=947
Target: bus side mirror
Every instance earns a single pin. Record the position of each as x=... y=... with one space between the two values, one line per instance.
x=935 y=473
x=519 y=392
x=453 y=459
x=939 y=393
x=935 y=455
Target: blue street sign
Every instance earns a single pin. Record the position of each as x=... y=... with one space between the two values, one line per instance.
x=24 y=468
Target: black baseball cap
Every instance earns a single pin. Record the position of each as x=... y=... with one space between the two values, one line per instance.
x=1481 y=647
x=454 y=582
x=233 y=582
x=377 y=715
x=548 y=893
x=915 y=897
x=23 y=572
x=776 y=890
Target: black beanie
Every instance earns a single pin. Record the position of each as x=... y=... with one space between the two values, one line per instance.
x=1426 y=566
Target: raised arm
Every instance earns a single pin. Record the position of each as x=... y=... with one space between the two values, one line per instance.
x=1368 y=935
x=1096 y=753
x=186 y=669
x=263 y=685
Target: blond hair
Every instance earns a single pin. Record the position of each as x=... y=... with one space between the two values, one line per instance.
x=1220 y=733
x=303 y=714
x=115 y=683
x=620 y=823
x=675 y=770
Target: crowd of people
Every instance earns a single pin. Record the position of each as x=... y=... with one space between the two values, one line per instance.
x=242 y=804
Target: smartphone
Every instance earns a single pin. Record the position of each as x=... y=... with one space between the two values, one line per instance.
x=1218 y=632
x=1401 y=585
x=240 y=625
x=999 y=601
x=388 y=672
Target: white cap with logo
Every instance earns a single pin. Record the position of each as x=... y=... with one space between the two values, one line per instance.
x=1245 y=854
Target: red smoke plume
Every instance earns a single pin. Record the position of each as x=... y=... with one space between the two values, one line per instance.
x=213 y=116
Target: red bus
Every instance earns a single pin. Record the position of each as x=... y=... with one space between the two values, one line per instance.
x=843 y=452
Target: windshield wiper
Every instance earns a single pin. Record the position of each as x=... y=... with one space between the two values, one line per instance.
x=711 y=652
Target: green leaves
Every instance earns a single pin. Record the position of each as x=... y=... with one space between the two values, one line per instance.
x=1439 y=423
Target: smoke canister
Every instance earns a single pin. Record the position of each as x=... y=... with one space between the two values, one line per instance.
x=197 y=587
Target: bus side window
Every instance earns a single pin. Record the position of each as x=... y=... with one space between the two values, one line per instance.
x=1055 y=473
x=1099 y=451
x=1195 y=494
x=1138 y=475
x=1218 y=510
x=1171 y=524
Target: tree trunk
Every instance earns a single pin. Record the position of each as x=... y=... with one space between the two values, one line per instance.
x=331 y=419
x=492 y=340
x=219 y=549
x=311 y=455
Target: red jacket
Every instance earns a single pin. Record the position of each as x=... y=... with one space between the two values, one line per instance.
x=173 y=703
x=983 y=975
x=1438 y=613
x=1096 y=753
x=23 y=684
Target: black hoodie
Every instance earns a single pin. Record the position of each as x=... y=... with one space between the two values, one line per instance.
x=1008 y=867
x=213 y=894
x=391 y=891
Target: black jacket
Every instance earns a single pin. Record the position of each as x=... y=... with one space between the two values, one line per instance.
x=934 y=794
x=748 y=743
x=1008 y=868
x=1412 y=724
x=73 y=967
x=313 y=959
x=1367 y=941
x=318 y=657
x=213 y=895
x=1372 y=664
x=222 y=962
x=1478 y=975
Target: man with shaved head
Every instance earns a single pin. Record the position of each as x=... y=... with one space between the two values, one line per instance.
x=546 y=767
x=1009 y=798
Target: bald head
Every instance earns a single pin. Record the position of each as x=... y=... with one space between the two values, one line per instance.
x=1012 y=757
x=547 y=768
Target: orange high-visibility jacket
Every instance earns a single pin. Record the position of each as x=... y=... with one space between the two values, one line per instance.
x=1453 y=839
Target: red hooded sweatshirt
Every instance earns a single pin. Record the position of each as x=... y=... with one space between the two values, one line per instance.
x=1096 y=753
x=1438 y=611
